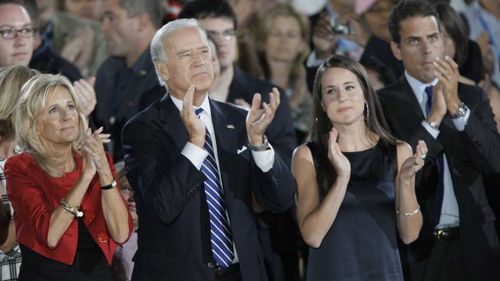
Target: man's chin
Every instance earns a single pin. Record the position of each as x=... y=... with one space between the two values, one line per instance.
x=22 y=62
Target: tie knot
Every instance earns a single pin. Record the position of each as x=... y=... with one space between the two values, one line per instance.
x=428 y=90
x=198 y=112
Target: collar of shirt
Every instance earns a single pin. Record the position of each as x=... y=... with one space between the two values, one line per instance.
x=419 y=88
x=143 y=64
x=205 y=105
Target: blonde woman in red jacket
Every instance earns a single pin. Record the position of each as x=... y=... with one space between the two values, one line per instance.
x=68 y=211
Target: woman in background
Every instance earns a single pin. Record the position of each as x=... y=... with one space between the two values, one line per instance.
x=281 y=39
x=11 y=80
x=70 y=215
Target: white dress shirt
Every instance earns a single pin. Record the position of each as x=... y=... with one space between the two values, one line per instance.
x=449 y=208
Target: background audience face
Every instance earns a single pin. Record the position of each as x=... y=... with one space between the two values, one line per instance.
x=448 y=45
x=119 y=28
x=284 y=39
x=215 y=59
x=420 y=45
x=11 y=80
x=376 y=19
x=223 y=31
x=188 y=61
x=90 y=9
x=454 y=33
x=17 y=50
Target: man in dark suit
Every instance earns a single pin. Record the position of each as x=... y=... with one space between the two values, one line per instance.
x=126 y=82
x=219 y=20
x=234 y=85
x=458 y=239
x=194 y=177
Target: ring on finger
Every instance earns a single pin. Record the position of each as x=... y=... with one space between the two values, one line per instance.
x=423 y=156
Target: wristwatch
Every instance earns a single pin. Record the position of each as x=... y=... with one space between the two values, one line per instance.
x=261 y=147
x=462 y=110
x=433 y=124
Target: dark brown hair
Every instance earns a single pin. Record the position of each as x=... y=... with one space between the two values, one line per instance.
x=455 y=27
x=375 y=120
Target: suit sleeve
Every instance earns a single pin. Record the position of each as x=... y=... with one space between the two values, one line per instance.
x=275 y=188
x=164 y=177
x=481 y=138
x=281 y=133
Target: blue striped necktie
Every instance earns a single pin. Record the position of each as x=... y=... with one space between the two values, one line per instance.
x=221 y=237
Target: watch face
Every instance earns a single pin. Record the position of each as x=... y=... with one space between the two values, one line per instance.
x=462 y=109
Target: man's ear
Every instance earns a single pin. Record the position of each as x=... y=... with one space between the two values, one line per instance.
x=162 y=70
x=395 y=50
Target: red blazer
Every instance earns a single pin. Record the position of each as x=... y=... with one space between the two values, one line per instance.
x=34 y=196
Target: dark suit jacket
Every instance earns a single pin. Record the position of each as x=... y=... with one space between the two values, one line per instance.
x=174 y=233
x=281 y=133
x=470 y=154
x=121 y=92
x=46 y=61
x=381 y=50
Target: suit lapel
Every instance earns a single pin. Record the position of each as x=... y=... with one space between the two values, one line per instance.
x=224 y=132
x=227 y=140
x=173 y=124
x=409 y=102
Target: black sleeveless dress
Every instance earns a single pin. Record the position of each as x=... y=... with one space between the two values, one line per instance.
x=362 y=242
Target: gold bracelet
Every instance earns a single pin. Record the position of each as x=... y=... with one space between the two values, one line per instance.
x=410 y=213
x=75 y=210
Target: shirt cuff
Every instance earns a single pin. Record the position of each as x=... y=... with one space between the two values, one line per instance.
x=312 y=60
x=264 y=159
x=462 y=121
x=195 y=154
x=434 y=132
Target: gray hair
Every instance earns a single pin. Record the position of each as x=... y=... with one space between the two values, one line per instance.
x=157 y=49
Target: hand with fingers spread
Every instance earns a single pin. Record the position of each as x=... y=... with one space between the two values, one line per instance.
x=340 y=163
x=447 y=72
x=84 y=89
x=258 y=119
x=414 y=163
x=194 y=126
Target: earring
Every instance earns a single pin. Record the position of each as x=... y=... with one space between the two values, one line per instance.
x=366 y=112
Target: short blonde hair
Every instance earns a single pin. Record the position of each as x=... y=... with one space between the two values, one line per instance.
x=31 y=106
x=12 y=79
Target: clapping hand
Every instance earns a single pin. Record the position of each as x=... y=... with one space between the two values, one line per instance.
x=194 y=126
x=258 y=119
x=413 y=163
x=95 y=156
x=340 y=163
x=448 y=75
